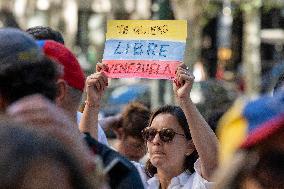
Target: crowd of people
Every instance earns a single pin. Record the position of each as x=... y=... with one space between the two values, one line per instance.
x=47 y=143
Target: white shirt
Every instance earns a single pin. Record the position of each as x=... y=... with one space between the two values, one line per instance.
x=185 y=180
x=101 y=134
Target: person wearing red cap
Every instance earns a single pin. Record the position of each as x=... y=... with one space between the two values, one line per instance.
x=71 y=84
x=28 y=90
x=69 y=95
x=122 y=174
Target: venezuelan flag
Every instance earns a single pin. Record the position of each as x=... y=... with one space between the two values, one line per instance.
x=144 y=48
x=248 y=123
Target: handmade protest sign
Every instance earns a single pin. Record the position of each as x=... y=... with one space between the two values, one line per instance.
x=144 y=48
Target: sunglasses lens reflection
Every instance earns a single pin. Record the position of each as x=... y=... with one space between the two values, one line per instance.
x=166 y=135
x=149 y=134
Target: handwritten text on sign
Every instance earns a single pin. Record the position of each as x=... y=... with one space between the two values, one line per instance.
x=147 y=29
x=146 y=49
x=141 y=68
x=140 y=30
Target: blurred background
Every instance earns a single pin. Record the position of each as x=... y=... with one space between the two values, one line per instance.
x=234 y=47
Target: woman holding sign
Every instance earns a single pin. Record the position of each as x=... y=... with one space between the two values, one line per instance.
x=175 y=138
x=176 y=135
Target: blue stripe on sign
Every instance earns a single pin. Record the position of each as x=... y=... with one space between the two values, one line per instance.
x=143 y=50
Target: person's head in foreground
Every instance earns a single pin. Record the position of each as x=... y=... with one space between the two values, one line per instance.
x=27 y=80
x=23 y=68
x=259 y=162
x=169 y=141
x=31 y=159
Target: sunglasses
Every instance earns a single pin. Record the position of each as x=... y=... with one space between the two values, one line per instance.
x=165 y=134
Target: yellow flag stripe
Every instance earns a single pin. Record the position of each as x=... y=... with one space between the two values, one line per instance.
x=231 y=131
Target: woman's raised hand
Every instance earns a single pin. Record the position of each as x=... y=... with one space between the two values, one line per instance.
x=183 y=83
x=96 y=84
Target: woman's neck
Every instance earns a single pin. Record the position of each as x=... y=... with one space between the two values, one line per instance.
x=165 y=177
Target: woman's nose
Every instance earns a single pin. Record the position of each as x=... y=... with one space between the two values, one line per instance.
x=156 y=139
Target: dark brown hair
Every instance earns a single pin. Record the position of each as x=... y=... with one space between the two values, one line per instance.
x=179 y=114
x=19 y=80
x=44 y=33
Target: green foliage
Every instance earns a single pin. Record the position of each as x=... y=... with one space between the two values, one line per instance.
x=249 y=5
x=269 y=4
x=210 y=11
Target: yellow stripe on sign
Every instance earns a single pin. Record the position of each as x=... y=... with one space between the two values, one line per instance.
x=147 y=29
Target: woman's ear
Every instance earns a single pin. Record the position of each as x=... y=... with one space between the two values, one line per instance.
x=190 y=147
x=61 y=92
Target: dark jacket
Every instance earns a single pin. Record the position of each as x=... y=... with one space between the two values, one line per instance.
x=122 y=173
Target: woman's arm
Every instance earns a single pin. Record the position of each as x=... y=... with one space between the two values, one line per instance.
x=203 y=137
x=96 y=84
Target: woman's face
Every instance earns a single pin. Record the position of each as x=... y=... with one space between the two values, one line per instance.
x=168 y=155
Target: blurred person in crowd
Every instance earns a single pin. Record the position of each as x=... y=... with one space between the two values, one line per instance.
x=123 y=174
x=7 y=18
x=23 y=68
x=258 y=161
x=37 y=111
x=271 y=77
x=214 y=118
x=31 y=159
x=71 y=85
x=128 y=127
x=279 y=82
x=24 y=71
x=211 y=106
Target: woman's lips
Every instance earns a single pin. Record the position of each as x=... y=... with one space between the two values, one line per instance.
x=158 y=153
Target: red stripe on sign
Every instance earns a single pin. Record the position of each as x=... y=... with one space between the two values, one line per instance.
x=151 y=69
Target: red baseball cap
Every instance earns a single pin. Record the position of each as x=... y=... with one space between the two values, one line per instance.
x=73 y=74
